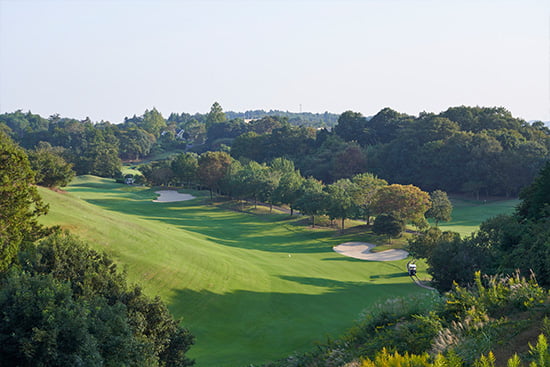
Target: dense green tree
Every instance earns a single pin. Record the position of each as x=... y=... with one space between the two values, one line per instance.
x=288 y=190
x=456 y=260
x=249 y=145
x=195 y=132
x=158 y=173
x=348 y=162
x=441 y=207
x=212 y=168
x=185 y=167
x=366 y=186
x=423 y=244
x=153 y=122
x=215 y=115
x=50 y=168
x=112 y=306
x=341 y=201
x=224 y=130
x=389 y=225
x=351 y=126
x=43 y=324
x=293 y=141
x=405 y=202
x=536 y=197
x=266 y=125
x=20 y=204
x=311 y=198
x=135 y=143
x=385 y=126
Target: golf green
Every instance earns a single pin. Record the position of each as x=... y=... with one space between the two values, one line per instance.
x=250 y=288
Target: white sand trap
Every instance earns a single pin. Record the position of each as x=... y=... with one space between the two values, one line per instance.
x=361 y=250
x=167 y=196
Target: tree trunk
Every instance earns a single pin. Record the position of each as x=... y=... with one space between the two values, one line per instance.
x=291 y=210
x=343 y=219
x=313 y=221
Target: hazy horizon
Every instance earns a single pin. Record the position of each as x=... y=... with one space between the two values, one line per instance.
x=112 y=59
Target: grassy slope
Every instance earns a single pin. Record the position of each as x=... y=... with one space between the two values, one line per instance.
x=250 y=288
x=468 y=214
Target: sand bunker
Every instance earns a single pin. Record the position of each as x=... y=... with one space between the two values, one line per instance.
x=361 y=250
x=166 y=196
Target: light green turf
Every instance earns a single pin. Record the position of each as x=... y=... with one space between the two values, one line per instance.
x=250 y=288
x=468 y=214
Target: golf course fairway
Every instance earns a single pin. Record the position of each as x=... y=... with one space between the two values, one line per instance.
x=251 y=288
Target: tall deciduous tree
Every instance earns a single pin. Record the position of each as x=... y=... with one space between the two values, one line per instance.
x=20 y=204
x=288 y=190
x=405 y=202
x=366 y=186
x=441 y=208
x=212 y=168
x=185 y=167
x=311 y=199
x=340 y=198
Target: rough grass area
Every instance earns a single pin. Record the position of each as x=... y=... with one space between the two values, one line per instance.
x=251 y=286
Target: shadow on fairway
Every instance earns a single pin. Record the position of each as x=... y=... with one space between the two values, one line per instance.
x=245 y=327
x=218 y=225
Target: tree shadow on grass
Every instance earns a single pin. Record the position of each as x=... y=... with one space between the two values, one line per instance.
x=220 y=226
x=243 y=327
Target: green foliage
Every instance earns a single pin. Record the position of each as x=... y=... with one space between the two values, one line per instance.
x=44 y=325
x=158 y=173
x=50 y=167
x=340 y=200
x=386 y=359
x=366 y=186
x=441 y=207
x=387 y=224
x=536 y=198
x=405 y=202
x=151 y=337
x=540 y=352
x=311 y=198
x=351 y=126
x=212 y=167
x=185 y=167
x=20 y=204
x=153 y=122
x=422 y=244
x=215 y=115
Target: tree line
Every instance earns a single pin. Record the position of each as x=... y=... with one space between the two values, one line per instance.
x=471 y=150
x=279 y=183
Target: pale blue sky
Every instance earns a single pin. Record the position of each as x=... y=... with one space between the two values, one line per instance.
x=110 y=59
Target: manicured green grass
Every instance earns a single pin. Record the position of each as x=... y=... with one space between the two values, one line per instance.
x=468 y=214
x=251 y=288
